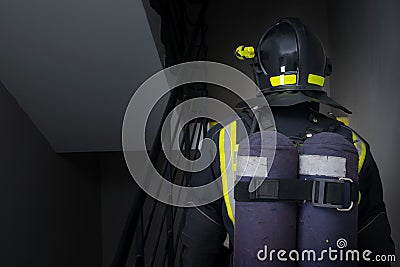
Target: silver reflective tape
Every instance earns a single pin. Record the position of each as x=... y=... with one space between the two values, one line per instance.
x=251 y=166
x=322 y=165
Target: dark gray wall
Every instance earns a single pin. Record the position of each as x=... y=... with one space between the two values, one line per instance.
x=365 y=42
x=74 y=65
x=118 y=192
x=49 y=203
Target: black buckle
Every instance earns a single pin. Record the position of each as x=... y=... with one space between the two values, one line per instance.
x=318 y=193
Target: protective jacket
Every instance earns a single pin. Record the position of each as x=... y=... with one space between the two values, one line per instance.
x=204 y=235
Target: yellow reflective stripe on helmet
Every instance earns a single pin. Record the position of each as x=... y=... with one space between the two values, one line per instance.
x=361 y=149
x=225 y=188
x=316 y=79
x=283 y=79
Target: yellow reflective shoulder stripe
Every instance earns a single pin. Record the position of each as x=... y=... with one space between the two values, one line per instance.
x=213 y=123
x=225 y=188
x=232 y=146
x=362 y=156
x=358 y=143
x=344 y=120
x=361 y=149
x=362 y=152
x=236 y=149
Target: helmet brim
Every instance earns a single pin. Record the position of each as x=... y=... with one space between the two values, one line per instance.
x=290 y=98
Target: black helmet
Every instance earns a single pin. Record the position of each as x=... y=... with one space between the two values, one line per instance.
x=291 y=65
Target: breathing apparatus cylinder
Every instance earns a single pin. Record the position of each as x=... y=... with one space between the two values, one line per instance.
x=326 y=228
x=264 y=227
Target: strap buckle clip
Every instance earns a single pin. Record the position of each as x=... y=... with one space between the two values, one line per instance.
x=319 y=191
